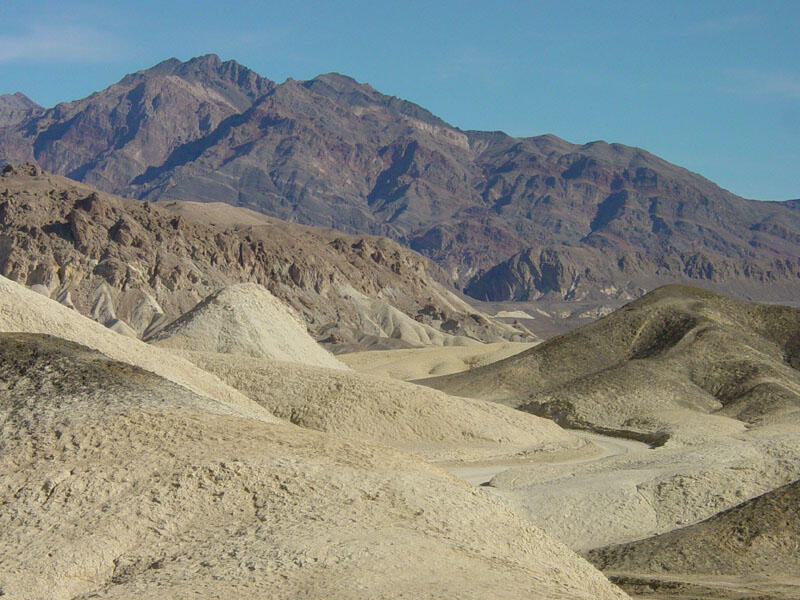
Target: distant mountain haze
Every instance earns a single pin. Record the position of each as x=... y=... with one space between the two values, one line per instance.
x=506 y=218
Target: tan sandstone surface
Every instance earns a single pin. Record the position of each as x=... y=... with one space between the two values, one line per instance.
x=116 y=483
x=711 y=383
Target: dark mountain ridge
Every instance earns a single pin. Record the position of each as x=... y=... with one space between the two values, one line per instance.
x=507 y=218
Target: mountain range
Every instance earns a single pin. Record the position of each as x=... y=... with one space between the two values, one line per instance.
x=530 y=219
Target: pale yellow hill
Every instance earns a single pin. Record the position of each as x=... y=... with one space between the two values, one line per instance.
x=381 y=410
x=116 y=483
x=26 y=311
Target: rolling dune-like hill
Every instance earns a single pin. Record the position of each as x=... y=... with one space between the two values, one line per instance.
x=119 y=483
x=680 y=362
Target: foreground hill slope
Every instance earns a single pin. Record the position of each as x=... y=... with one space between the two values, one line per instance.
x=747 y=551
x=119 y=484
x=508 y=218
x=135 y=266
x=681 y=363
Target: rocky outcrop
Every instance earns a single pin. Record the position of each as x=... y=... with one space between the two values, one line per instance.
x=135 y=266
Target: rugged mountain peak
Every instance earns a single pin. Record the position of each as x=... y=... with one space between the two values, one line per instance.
x=165 y=67
x=15 y=108
x=19 y=99
x=113 y=136
x=238 y=84
x=346 y=90
x=210 y=70
x=338 y=81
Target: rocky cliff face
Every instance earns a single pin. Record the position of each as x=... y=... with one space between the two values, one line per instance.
x=337 y=153
x=134 y=266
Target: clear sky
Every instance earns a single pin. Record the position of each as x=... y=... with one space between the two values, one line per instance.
x=712 y=86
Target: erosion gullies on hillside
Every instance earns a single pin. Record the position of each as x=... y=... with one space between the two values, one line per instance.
x=119 y=483
x=135 y=266
x=507 y=218
x=608 y=278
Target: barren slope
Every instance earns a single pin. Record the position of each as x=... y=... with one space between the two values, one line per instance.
x=749 y=549
x=398 y=414
x=245 y=319
x=757 y=536
x=632 y=496
x=680 y=362
x=118 y=484
x=23 y=310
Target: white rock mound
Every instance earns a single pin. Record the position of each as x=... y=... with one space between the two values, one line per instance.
x=245 y=319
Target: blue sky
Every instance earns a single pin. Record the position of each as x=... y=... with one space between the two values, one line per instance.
x=712 y=86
